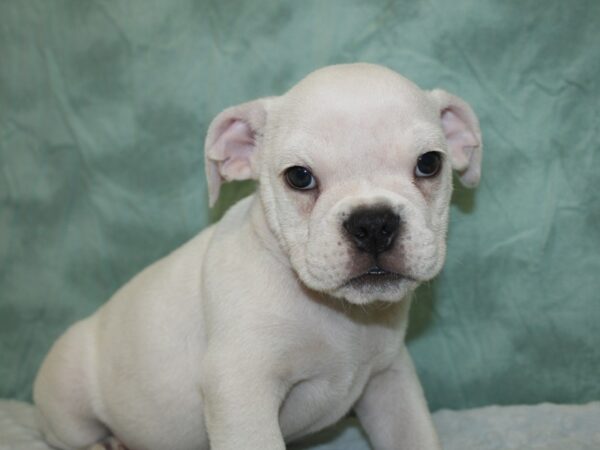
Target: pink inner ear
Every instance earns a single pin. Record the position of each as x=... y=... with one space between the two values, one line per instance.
x=460 y=138
x=233 y=150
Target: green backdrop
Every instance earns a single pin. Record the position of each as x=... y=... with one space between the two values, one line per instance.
x=103 y=110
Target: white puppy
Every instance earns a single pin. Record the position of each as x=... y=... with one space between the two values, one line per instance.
x=291 y=311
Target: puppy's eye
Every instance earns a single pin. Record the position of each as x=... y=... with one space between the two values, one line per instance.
x=300 y=178
x=428 y=165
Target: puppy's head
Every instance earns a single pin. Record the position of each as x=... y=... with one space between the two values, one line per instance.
x=355 y=175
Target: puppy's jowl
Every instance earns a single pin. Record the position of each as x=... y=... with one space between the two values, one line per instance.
x=292 y=310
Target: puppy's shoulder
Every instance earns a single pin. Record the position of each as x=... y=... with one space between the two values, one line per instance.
x=234 y=218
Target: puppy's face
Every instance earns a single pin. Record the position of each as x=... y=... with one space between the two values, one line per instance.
x=355 y=175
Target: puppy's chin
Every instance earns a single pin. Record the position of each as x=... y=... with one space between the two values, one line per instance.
x=363 y=290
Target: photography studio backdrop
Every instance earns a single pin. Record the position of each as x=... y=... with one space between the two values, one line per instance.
x=103 y=111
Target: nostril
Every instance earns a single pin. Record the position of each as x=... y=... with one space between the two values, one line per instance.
x=355 y=228
x=390 y=225
x=361 y=232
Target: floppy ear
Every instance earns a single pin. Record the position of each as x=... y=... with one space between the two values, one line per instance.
x=463 y=136
x=231 y=145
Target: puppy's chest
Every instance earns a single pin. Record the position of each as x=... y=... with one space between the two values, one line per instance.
x=333 y=379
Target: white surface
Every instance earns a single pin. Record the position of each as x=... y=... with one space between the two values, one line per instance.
x=17 y=427
x=540 y=427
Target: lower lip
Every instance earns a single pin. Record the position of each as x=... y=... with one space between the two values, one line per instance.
x=377 y=271
x=376 y=278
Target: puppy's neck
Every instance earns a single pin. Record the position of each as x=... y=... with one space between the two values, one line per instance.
x=265 y=236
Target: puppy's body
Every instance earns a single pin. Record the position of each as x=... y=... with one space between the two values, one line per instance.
x=243 y=334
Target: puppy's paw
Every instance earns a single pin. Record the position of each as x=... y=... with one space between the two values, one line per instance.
x=111 y=443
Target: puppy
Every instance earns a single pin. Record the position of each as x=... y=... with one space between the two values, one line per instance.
x=290 y=311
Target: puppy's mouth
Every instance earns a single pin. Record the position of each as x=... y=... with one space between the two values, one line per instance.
x=375 y=276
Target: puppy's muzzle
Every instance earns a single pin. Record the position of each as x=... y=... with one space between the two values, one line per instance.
x=373 y=229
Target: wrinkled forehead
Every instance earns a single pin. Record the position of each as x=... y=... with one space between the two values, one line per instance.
x=348 y=119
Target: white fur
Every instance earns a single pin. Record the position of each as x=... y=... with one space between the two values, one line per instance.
x=250 y=335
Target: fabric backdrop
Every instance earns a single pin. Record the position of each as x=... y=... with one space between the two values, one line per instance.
x=103 y=110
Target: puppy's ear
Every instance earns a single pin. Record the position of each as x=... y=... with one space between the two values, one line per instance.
x=463 y=135
x=231 y=145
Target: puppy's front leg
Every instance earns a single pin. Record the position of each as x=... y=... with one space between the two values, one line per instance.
x=393 y=409
x=241 y=403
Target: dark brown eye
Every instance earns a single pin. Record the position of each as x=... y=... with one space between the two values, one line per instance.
x=299 y=177
x=428 y=165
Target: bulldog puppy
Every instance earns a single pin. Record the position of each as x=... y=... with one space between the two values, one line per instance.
x=291 y=311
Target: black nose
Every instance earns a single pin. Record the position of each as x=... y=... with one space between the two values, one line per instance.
x=373 y=230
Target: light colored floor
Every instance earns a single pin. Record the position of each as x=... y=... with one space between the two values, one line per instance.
x=540 y=427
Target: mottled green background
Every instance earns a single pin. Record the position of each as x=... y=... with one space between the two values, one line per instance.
x=103 y=110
